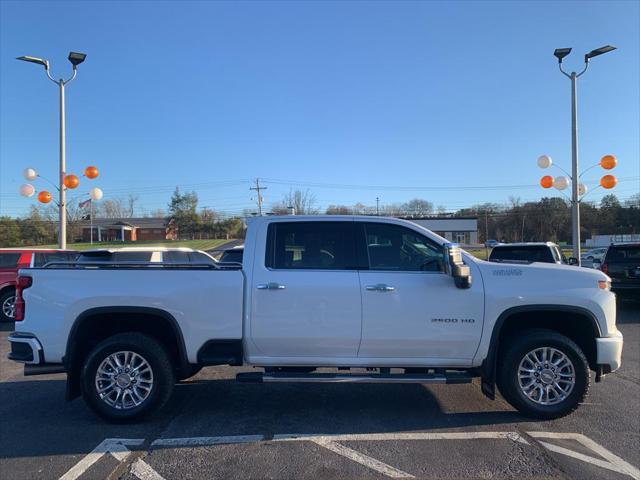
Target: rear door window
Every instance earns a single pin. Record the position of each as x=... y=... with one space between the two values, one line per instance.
x=9 y=260
x=131 y=256
x=311 y=246
x=175 y=257
x=533 y=253
x=42 y=258
x=624 y=254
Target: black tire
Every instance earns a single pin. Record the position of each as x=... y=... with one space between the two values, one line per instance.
x=159 y=362
x=6 y=295
x=507 y=376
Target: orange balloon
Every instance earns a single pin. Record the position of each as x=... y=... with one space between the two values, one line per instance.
x=71 y=181
x=608 y=181
x=546 y=181
x=91 y=172
x=44 y=197
x=608 y=162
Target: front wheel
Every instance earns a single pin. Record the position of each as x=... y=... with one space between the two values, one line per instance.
x=543 y=374
x=127 y=376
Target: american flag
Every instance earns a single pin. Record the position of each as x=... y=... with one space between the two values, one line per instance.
x=84 y=204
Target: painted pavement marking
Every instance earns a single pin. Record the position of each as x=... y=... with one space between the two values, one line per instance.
x=117 y=447
x=613 y=462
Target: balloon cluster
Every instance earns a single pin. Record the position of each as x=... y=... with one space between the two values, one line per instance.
x=562 y=182
x=69 y=181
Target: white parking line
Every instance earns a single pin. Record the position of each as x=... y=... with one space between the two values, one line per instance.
x=613 y=462
x=360 y=437
x=361 y=458
x=205 y=441
x=143 y=471
x=114 y=446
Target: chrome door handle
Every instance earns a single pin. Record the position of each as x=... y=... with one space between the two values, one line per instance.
x=270 y=286
x=380 y=287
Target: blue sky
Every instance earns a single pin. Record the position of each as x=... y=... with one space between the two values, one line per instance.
x=352 y=100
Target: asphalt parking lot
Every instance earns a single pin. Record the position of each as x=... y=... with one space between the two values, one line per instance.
x=224 y=429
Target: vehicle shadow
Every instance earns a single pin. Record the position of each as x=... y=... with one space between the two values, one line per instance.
x=7 y=326
x=38 y=422
x=628 y=310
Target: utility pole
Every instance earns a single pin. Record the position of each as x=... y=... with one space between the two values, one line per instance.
x=258 y=188
x=378 y=206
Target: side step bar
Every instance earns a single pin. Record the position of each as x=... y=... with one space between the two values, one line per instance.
x=286 y=377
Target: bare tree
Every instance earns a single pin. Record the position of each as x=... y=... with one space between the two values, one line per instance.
x=417 y=207
x=303 y=203
x=131 y=203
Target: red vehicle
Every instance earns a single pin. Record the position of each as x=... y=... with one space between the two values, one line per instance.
x=12 y=260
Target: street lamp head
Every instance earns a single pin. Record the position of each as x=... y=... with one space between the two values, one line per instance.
x=39 y=61
x=599 y=51
x=76 y=58
x=560 y=53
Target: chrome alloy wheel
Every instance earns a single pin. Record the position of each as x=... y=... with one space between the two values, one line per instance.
x=9 y=306
x=124 y=380
x=546 y=376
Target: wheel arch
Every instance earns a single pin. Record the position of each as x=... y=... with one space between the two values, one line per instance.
x=560 y=318
x=87 y=331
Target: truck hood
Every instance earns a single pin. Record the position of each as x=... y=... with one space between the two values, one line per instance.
x=540 y=276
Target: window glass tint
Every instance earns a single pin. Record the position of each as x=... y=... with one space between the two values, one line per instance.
x=232 y=256
x=42 y=258
x=175 y=257
x=201 y=258
x=624 y=254
x=9 y=260
x=131 y=256
x=312 y=245
x=533 y=253
x=396 y=248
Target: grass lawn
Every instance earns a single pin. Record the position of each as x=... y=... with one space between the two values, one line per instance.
x=195 y=244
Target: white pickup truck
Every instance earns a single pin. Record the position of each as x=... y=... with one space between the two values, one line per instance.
x=373 y=299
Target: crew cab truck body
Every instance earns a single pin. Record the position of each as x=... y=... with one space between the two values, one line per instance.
x=353 y=293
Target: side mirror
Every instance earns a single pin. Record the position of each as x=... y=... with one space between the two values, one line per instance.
x=572 y=261
x=460 y=272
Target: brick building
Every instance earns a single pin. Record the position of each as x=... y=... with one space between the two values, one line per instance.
x=128 y=229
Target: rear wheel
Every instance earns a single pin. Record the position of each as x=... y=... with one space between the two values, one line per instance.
x=543 y=374
x=127 y=376
x=7 y=306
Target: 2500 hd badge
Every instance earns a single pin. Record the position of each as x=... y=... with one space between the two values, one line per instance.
x=453 y=320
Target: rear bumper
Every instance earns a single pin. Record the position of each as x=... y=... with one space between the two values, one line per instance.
x=609 y=352
x=25 y=348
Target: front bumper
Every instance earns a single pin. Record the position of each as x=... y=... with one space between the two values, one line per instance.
x=609 y=352
x=25 y=348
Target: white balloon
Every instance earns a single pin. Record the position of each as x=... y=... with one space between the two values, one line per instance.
x=561 y=183
x=544 y=161
x=95 y=193
x=27 y=190
x=582 y=189
x=30 y=174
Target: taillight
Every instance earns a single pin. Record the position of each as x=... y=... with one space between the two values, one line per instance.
x=23 y=283
x=604 y=268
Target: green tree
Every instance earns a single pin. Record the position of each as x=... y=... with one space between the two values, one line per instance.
x=182 y=210
x=33 y=229
x=9 y=232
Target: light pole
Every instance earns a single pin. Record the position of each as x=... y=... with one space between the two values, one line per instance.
x=76 y=59
x=560 y=53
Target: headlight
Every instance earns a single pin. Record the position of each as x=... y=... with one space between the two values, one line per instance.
x=604 y=284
